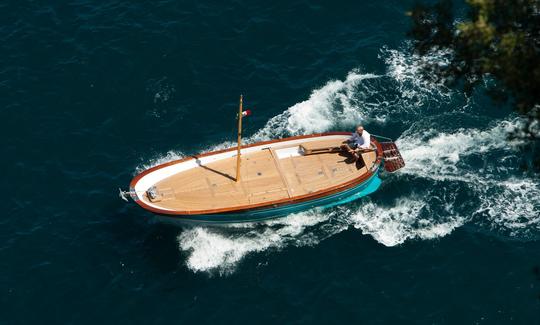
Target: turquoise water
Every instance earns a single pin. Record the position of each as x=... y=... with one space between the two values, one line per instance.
x=95 y=91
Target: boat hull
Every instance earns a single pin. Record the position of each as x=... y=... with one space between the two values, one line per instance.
x=279 y=178
x=365 y=188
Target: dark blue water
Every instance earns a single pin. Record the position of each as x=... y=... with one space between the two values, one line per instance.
x=94 y=91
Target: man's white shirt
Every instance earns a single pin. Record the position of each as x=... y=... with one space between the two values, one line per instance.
x=363 y=142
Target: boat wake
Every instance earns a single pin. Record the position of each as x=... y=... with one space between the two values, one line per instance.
x=484 y=166
x=220 y=249
x=449 y=173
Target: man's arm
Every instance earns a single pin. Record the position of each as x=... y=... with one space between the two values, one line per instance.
x=350 y=139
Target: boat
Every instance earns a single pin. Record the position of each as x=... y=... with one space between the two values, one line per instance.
x=263 y=180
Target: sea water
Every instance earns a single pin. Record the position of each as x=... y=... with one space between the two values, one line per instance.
x=96 y=91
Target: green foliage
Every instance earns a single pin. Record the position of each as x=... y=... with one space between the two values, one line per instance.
x=499 y=39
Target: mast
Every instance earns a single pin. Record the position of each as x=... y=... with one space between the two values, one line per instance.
x=239 y=140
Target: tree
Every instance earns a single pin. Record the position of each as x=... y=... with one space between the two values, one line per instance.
x=498 y=42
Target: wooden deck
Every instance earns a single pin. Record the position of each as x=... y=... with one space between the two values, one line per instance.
x=264 y=178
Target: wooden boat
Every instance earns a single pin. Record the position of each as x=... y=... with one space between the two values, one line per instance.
x=271 y=179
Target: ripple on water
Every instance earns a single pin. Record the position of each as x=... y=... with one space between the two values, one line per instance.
x=451 y=172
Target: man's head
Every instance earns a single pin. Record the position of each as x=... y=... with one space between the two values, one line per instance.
x=359 y=129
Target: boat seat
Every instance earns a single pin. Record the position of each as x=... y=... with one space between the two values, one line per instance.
x=314 y=147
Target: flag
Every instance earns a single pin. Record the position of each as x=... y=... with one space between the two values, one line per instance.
x=246 y=113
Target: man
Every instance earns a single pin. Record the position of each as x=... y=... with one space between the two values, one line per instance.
x=360 y=141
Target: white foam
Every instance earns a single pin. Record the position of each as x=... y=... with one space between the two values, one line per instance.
x=437 y=155
x=512 y=207
x=161 y=159
x=509 y=204
x=326 y=107
x=361 y=98
x=393 y=225
x=430 y=155
x=220 y=249
x=341 y=104
x=406 y=69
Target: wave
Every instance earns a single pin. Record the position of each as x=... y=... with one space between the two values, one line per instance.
x=406 y=69
x=449 y=172
x=221 y=249
x=487 y=163
x=511 y=208
x=511 y=205
x=438 y=155
x=326 y=108
x=393 y=225
x=160 y=159
x=399 y=94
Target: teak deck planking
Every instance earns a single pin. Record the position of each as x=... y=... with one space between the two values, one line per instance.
x=264 y=178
